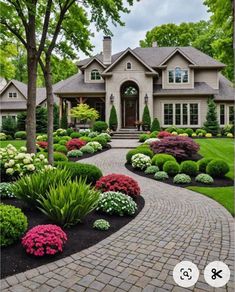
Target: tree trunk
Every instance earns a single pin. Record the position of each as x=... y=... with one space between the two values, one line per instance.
x=50 y=109
x=31 y=102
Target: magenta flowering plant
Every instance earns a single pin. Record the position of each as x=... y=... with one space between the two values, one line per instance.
x=44 y=240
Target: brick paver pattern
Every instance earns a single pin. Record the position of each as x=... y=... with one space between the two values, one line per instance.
x=176 y=224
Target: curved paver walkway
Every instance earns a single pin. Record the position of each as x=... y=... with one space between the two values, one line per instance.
x=176 y=224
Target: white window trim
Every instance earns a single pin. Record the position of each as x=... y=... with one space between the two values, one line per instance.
x=225 y=114
x=95 y=80
x=170 y=69
x=182 y=102
x=228 y=106
x=12 y=93
x=128 y=62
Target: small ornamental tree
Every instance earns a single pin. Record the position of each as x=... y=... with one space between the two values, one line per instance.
x=155 y=125
x=146 y=118
x=9 y=126
x=113 y=121
x=64 y=121
x=84 y=113
x=211 y=125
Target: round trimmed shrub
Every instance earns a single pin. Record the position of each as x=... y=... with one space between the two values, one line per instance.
x=62 y=149
x=182 y=178
x=151 y=169
x=171 y=168
x=101 y=224
x=75 y=144
x=82 y=170
x=100 y=126
x=56 y=140
x=208 y=135
x=204 y=178
x=59 y=156
x=201 y=131
x=118 y=183
x=202 y=164
x=95 y=145
x=143 y=137
x=140 y=160
x=20 y=135
x=217 y=168
x=189 y=132
x=75 y=153
x=6 y=190
x=100 y=140
x=116 y=203
x=44 y=240
x=142 y=150
x=180 y=131
x=86 y=139
x=87 y=149
x=67 y=138
x=62 y=142
x=189 y=167
x=154 y=134
x=75 y=135
x=106 y=136
x=161 y=175
x=3 y=136
x=13 y=223
x=160 y=159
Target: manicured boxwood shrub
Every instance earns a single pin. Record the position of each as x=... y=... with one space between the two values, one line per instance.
x=180 y=147
x=204 y=178
x=217 y=168
x=161 y=175
x=75 y=153
x=151 y=169
x=189 y=167
x=58 y=156
x=154 y=134
x=6 y=190
x=62 y=142
x=75 y=144
x=82 y=170
x=201 y=131
x=44 y=240
x=86 y=139
x=202 y=164
x=142 y=150
x=182 y=178
x=118 y=183
x=140 y=161
x=160 y=159
x=62 y=149
x=171 y=168
x=87 y=149
x=116 y=203
x=20 y=135
x=100 y=140
x=75 y=135
x=143 y=137
x=189 y=132
x=13 y=224
x=100 y=126
x=106 y=136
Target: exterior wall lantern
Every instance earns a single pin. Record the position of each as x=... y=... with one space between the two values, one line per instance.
x=111 y=98
x=146 y=98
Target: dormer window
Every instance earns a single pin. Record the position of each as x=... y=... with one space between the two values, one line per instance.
x=95 y=75
x=128 y=66
x=178 y=75
x=12 y=94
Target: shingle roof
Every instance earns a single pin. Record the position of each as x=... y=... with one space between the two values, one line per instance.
x=154 y=56
x=226 y=89
x=75 y=84
x=200 y=88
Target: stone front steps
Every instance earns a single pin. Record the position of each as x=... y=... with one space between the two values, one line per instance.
x=126 y=134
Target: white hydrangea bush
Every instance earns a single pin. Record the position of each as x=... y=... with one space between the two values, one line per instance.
x=18 y=162
x=95 y=145
x=151 y=140
x=141 y=161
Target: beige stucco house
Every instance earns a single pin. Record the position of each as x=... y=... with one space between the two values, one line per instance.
x=175 y=83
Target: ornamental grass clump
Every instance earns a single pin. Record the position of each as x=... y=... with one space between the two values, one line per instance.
x=13 y=224
x=44 y=240
x=182 y=179
x=68 y=204
x=95 y=145
x=151 y=169
x=140 y=161
x=118 y=183
x=101 y=224
x=204 y=178
x=116 y=203
x=181 y=148
x=161 y=175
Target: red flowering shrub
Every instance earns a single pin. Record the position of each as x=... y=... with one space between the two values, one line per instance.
x=44 y=240
x=42 y=144
x=74 y=144
x=180 y=147
x=163 y=134
x=118 y=183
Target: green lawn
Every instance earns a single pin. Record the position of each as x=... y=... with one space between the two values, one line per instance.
x=221 y=149
x=16 y=143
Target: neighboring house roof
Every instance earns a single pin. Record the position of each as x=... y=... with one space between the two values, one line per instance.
x=200 y=88
x=76 y=84
x=226 y=90
x=154 y=56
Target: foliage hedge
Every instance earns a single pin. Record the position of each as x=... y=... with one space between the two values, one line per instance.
x=20 y=135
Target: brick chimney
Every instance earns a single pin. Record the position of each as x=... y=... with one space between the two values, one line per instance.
x=107 y=50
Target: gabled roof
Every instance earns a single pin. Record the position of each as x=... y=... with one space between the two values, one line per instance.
x=93 y=60
x=179 y=51
x=226 y=90
x=129 y=51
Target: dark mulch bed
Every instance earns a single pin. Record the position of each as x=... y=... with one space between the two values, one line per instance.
x=87 y=155
x=218 y=182
x=15 y=260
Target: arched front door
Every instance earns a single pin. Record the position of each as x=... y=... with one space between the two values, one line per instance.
x=129 y=104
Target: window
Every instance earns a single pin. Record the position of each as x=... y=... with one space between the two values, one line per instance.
x=178 y=75
x=231 y=114
x=222 y=114
x=128 y=66
x=181 y=114
x=12 y=94
x=95 y=75
x=168 y=114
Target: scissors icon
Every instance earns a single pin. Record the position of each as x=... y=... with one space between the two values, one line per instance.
x=216 y=274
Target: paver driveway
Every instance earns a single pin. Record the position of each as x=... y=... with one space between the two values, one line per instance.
x=176 y=224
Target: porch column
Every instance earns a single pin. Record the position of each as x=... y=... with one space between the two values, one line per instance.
x=60 y=108
x=69 y=108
